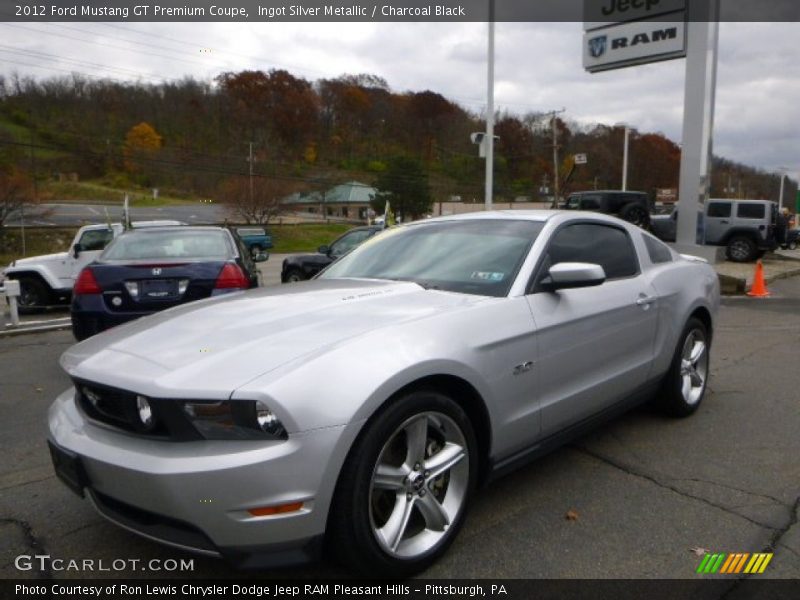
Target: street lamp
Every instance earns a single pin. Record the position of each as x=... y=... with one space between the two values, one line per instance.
x=625 y=155
x=782 y=171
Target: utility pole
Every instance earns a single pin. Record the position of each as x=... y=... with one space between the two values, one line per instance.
x=250 y=160
x=490 y=113
x=625 y=160
x=554 y=125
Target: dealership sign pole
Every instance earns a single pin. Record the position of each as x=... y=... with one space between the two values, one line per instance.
x=622 y=33
x=698 y=116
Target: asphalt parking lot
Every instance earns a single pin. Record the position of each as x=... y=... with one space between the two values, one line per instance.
x=632 y=500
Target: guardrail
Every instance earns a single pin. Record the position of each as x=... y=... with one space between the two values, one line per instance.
x=11 y=291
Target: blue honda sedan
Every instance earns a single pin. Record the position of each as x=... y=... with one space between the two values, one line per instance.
x=147 y=270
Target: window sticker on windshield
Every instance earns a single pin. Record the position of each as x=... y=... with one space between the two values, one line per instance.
x=487 y=276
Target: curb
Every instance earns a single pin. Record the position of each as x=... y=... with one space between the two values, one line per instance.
x=735 y=286
x=22 y=329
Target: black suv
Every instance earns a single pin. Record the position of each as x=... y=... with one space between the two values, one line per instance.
x=634 y=207
x=304 y=266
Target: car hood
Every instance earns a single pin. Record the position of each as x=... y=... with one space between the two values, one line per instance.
x=35 y=260
x=207 y=349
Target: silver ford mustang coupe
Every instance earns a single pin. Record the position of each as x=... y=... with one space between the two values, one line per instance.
x=364 y=408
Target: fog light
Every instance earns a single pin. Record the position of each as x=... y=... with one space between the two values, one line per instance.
x=145 y=411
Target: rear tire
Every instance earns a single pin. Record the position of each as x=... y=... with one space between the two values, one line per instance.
x=81 y=331
x=405 y=487
x=34 y=295
x=294 y=275
x=635 y=214
x=684 y=386
x=742 y=249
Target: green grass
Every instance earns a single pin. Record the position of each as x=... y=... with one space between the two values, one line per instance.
x=38 y=240
x=304 y=238
x=22 y=134
x=89 y=191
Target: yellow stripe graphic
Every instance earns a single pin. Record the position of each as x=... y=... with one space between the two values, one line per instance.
x=765 y=563
x=755 y=562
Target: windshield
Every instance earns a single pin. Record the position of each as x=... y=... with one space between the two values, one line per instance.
x=169 y=244
x=470 y=257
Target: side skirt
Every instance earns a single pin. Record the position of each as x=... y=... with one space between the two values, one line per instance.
x=503 y=466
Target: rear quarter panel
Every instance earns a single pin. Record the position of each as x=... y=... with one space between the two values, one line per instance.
x=683 y=287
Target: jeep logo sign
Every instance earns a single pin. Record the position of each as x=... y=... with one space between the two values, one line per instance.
x=633 y=44
x=602 y=13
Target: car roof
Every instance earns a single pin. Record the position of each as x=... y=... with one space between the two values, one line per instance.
x=540 y=216
x=741 y=200
x=605 y=192
x=168 y=228
x=524 y=215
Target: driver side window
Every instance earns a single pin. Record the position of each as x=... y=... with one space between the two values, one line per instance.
x=95 y=239
x=349 y=241
x=604 y=245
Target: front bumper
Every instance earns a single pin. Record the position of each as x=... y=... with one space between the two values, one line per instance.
x=196 y=495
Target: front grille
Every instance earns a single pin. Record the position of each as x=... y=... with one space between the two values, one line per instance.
x=118 y=408
x=154 y=525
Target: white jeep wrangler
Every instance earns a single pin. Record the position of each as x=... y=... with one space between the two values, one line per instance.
x=48 y=279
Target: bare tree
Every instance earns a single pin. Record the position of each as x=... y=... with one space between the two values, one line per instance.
x=260 y=204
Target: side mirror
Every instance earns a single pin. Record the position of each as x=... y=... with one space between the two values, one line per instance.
x=261 y=257
x=76 y=250
x=563 y=276
x=324 y=249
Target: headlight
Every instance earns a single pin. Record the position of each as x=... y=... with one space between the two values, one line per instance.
x=234 y=420
x=144 y=412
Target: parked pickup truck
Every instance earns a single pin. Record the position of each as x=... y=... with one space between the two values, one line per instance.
x=48 y=279
x=255 y=238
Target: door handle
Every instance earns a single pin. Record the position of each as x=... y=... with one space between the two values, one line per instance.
x=646 y=301
x=725 y=222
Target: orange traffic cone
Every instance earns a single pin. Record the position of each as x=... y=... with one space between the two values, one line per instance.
x=759 y=287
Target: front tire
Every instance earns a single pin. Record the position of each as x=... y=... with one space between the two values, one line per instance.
x=742 y=249
x=684 y=386
x=792 y=245
x=33 y=295
x=635 y=214
x=405 y=487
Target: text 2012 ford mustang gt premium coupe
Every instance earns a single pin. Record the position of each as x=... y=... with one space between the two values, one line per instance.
x=367 y=405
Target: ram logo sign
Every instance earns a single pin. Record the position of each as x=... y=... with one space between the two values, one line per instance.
x=634 y=43
x=597 y=46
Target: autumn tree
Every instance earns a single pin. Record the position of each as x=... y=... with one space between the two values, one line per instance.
x=257 y=204
x=141 y=147
x=15 y=190
x=405 y=185
x=274 y=105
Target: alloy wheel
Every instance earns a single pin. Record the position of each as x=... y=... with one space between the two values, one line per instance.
x=694 y=367
x=419 y=485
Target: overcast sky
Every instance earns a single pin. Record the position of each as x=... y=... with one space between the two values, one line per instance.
x=538 y=68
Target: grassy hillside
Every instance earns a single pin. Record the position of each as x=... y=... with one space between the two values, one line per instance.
x=93 y=191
